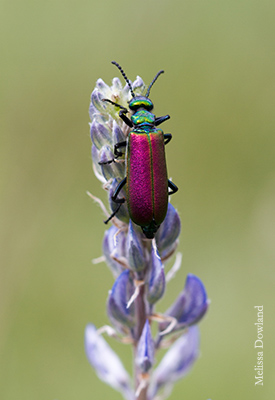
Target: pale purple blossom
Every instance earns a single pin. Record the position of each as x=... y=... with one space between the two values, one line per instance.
x=106 y=363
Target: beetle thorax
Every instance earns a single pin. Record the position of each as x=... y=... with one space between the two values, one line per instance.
x=143 y=117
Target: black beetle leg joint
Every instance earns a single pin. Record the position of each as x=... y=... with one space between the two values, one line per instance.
x=119 y=201
x=106 y=162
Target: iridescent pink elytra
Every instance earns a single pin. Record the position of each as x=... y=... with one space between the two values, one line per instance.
x=147 y=182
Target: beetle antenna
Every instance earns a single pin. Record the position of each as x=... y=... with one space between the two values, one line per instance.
x=125 y=77
x=153 y=81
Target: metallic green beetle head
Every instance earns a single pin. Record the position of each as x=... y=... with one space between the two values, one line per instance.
x=141 y=102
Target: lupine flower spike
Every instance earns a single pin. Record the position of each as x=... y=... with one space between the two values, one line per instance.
x=136 y=254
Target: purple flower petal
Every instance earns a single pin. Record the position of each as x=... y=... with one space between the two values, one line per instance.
x=191 y=304
x=135 y=249
x=168 y=231
x=107 y=364
x=96 y=100
x=145 y=349
x=156 y=278
x=95 y=157
x=103 y=88
x=100 y=134
x=119 y=296
x=138 y=84
x=116 y=84
x=110 y=169
x=177 y=361
x=118 y=135
x=114 y=246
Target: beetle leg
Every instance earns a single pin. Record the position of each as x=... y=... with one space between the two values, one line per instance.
x=122 y=113
x=117 y=146
x=172 y=186
x=160 y=120
x=106 y=162
x=116 y=200
x=124 y=118
x=116 y=151
x=116 y=105
x=167 y=137
x=118 y=189
x=113 y=214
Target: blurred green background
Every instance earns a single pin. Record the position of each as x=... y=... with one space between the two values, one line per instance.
x=218 y=87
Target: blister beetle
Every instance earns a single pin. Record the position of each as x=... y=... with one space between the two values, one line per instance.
x=147 y=183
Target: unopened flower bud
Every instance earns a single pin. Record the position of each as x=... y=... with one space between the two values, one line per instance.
x=117 y=134
x=177 y=361
x=168 y=232
x=135 y=249
x=191 y=304
x=119 y=296
x=109 y=167
x=145 y=349
x=100 y=134
x=106 y=363
x=155 y=279
x=114 y=248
